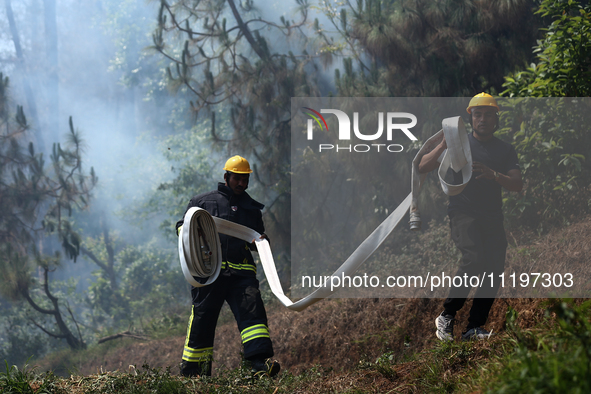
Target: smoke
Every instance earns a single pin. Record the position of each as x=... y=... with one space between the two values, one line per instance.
x=100 y=44
x=110 y=86
x=114 y=90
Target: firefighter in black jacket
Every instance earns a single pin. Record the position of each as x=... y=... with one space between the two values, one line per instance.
x=237 y=283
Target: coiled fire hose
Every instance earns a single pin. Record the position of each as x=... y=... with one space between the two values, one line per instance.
x=457 y=156
x=200 y=250
x=199 y=246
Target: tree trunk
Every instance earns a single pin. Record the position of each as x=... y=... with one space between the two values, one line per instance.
x=52 y=68
x=64 y=332
x=19 y=54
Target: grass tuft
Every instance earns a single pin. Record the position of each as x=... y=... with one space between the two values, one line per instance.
x=16 y=381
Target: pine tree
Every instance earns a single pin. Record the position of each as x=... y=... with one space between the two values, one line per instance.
x=408 y=48
x=37 y=199
x=239 y=68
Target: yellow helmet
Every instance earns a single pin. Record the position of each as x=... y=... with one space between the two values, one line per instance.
x=238 y=165
x=482 y=100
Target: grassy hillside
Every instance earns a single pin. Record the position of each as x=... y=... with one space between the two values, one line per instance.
x=551 y=356
x=363 y=345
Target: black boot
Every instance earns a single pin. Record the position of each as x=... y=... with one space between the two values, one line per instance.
x=260 y=365
x=190 y=369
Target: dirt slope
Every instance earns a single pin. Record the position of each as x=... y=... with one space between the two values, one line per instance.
x=341 y=333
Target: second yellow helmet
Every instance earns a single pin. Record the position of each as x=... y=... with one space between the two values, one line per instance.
x=482 y=100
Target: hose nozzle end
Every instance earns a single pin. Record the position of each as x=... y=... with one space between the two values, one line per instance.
x=415 y=221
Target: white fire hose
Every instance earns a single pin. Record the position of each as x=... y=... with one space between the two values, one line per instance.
x=199 y=245
x=457 y=156
x=200 y=251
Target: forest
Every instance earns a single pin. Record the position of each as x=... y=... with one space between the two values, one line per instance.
x=114 y=114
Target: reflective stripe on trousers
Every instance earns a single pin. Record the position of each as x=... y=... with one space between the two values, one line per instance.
x=254 y=332
x=195 y=355
x=244 y=298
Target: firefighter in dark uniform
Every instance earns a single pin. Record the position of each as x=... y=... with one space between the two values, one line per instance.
x=237 y=283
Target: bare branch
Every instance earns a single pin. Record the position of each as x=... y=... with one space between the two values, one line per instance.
x=109 y=246
x=51 y=297
x=91 y=255
x=74 y=320
x=126 y=334
x=31 y=302
x=244 y=29
x=51 y=334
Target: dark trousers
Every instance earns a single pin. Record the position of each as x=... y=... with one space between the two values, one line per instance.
x=244 y=298
x=483 y=244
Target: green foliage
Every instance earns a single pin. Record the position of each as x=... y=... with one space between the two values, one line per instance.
x=196 y=169
x=551 y=140
x=149 y=286
x=563 y=57
x=151 y=282
x=550 y=136
x=553 y=150
x=554 y=361
x=19 y=340
x=384 y=363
